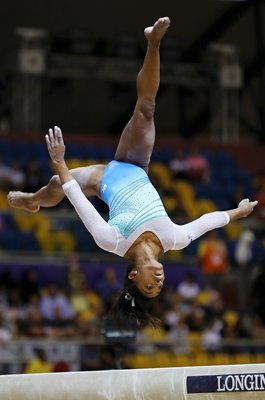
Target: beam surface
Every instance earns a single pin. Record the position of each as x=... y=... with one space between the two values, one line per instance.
x=191 y=383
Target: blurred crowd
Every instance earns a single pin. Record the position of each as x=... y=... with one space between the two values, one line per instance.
x=211 y=311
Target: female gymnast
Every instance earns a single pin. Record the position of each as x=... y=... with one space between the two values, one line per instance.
x=138 y=227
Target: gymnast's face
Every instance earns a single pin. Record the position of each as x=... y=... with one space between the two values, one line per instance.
x=148 y=279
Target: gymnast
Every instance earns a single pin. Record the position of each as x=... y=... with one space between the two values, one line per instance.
x=138 y=228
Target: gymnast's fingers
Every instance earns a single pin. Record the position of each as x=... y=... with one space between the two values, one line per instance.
x=48 y=142
x=59 y=135
x=51 y=138
x=55 y=136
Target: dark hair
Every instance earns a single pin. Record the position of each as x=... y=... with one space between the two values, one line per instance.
x=132 y=307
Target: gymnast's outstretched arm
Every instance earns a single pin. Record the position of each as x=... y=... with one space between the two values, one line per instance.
x=216 y=219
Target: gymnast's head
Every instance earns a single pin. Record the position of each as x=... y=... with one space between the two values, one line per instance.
x=141 y=286
x=148 y=278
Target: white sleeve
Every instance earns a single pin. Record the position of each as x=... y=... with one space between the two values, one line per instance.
x=105 y=235
x=185 y=234
x=206 y=223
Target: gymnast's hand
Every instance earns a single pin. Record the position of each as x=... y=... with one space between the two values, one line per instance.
x=55 y=145
x=246 y=206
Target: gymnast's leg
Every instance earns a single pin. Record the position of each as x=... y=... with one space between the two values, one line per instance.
x=89 y=179
x=137 y=139
x=136 y=142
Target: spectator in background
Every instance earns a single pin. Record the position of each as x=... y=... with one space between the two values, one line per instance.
x=213 y=256
x=178 y=335
x=197 y=166
x=11 y=175
x=53 y=300
x=85 y=302
x=33 y=324
x=16 y=175
x=39 y=363
x=248 y=253
x=234 y=328
x=178 y=166
x=188 y=289
x=57 y=312
x=108 y=286
x=211 y=337
x=244 y=255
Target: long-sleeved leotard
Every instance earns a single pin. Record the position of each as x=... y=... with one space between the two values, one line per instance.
x=135 y=208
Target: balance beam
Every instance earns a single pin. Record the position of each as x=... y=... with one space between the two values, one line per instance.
x=224 y=382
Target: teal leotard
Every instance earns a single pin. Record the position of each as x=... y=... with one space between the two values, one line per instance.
x=131 y=197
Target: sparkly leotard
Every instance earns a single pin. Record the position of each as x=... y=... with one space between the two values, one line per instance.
x=131 y=197
x=134 y=208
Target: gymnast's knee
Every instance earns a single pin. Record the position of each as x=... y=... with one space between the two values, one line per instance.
x=55 y=182
x=146 y=106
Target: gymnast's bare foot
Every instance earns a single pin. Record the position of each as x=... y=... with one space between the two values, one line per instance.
x=156 y=32
x=23 y=201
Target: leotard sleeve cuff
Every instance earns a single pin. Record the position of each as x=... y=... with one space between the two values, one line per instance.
x=226 y=216
x=69 y=183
